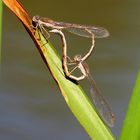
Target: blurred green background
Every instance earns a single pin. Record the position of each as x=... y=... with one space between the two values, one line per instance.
x=31 y=106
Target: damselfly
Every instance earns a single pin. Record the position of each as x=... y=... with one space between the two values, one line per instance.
x=79 y=62
x=81 y=30
x=100 y=103
x=85 y=31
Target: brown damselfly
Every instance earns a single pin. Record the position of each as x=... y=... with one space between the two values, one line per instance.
x=86 y=31
x=81 y=30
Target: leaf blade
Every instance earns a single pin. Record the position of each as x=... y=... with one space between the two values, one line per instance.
x=131 y=124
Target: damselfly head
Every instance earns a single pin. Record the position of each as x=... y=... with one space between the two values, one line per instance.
x=35 y=18
x=77 y=58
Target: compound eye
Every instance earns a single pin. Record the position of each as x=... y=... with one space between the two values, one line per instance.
x=35 y=20
x=37 y=17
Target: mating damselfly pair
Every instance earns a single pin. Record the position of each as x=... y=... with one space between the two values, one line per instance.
x=44 y=24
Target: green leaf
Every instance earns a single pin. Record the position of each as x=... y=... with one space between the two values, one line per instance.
x=75 y=97
x=131 y=127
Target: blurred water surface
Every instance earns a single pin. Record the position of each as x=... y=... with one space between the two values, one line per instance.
x=31 y=105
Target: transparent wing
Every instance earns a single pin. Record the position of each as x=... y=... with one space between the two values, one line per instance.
x=99 y=32
x=102 y=106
